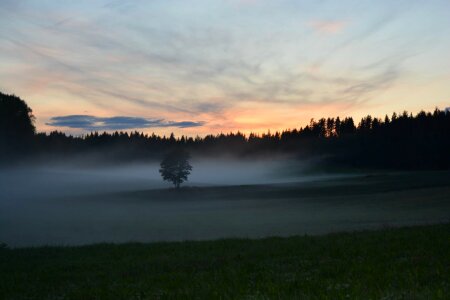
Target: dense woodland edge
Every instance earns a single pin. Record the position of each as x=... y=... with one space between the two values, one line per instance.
x=401 y=141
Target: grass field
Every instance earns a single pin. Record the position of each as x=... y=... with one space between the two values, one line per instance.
x=401 y=263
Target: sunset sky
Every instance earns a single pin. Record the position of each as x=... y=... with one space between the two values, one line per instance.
x=197 y=67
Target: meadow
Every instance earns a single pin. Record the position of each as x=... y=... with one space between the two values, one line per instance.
x=401 y=263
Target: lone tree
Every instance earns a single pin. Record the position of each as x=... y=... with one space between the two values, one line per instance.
x=175 y=167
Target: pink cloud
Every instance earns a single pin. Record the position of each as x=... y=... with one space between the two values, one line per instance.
x=328 y=27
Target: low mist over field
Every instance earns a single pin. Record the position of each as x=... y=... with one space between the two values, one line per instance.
x=56 y=179
x=41 y=200
x=61 y=205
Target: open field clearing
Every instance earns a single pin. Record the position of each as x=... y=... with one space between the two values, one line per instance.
x=73 y=213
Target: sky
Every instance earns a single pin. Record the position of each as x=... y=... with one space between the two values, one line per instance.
x=210 y=66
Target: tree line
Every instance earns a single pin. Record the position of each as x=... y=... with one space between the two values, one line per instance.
x=399 y=141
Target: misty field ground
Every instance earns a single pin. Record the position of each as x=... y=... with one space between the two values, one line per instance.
x=66 y=212
x=400 y=263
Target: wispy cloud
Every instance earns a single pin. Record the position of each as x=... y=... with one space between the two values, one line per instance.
x=93 y=123
x=362 y=89
x=328 y=27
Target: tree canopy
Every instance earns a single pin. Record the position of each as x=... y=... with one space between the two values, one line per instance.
x=175 y=167
x=16 y=124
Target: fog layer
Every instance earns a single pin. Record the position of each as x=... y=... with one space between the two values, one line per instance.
x=57 y=205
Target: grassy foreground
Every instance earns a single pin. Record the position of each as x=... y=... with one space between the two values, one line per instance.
x=405 y=263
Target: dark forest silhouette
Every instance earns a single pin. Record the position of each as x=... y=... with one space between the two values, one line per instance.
x=402 y=141
x=17 y=129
